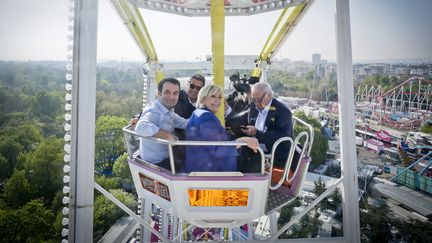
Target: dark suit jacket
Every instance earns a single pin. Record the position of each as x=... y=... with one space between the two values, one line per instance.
x=278 y=124
x=183 y=107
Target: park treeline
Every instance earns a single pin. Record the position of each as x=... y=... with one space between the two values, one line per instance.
x=31 y=146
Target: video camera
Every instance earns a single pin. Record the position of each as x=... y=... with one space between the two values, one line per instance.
x=242 y=84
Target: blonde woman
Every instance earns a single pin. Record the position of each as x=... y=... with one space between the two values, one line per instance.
x=205 y=126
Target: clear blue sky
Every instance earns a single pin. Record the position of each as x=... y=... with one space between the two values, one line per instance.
x=381 y=29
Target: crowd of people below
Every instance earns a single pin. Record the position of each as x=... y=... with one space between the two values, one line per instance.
x=190 y=114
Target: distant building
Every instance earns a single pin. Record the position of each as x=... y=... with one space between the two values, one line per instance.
x=378 y=68
x=321 y=71
x=316 y=59
x=293 y=102
x=331 y=71
x=280 y=64
x=402 y=70
x=363 y=70
x=299 y=68
x=405 y=202
x=418 y=71
x=323 y=62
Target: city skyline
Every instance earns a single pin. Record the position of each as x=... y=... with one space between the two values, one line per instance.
x=387 y=29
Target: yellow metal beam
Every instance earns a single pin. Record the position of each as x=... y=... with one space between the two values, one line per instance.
x=284 y=25
x=136 y=26
x=218 y=42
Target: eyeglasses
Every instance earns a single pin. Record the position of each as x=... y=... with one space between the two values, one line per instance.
x=193 y=86
x=255 y=100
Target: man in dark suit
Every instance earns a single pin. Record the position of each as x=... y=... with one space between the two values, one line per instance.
x=188 y=96
x=187 y=100
x=268 y=120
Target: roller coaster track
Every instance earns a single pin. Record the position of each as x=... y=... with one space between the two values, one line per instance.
x=405 y=106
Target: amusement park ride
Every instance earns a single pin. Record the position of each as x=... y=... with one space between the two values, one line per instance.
x=178 y=202
x=405 y=107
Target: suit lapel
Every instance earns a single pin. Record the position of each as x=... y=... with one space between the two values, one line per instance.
x=270 y=119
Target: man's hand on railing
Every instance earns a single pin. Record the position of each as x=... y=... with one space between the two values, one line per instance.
x=133 y=122
x=251 y=142
x=165 y=135
x=172 y=138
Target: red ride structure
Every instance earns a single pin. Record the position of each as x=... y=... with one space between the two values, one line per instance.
x=404 y=107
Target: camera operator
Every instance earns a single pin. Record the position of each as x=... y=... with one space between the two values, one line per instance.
x=239 y=99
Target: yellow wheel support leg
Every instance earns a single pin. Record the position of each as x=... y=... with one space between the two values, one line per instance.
x=218 y=40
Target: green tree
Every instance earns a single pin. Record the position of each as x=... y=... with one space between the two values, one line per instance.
x=58 y=226
x=413 y=230
x=107 y=213
x=336 y=198
x=288 y=211
x=4 y=164
x=320 y=142
x=113 y=104
x=9 y=149
x=31 y=223
x=12 y=100
x=375 y=224
x=15 y=140
x=17 y=190
x=320 y=188
x=44 y=166
x=46 y=106
x=108 y=183
x=427 y=128
x=121 y=170
x=308 y=226
x=26 y=134
x=394 y=81
x=109 y=139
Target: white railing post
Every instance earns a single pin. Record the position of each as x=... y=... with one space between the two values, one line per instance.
x=351 y=220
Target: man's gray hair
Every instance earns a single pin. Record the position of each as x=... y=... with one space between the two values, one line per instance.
x=265 y=87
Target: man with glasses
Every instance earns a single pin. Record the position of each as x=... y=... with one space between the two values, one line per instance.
x=268 y=120
x=188 y=96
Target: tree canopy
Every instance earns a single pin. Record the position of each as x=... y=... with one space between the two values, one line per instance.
x=107 y=213
x=44 y=167
x=109 y=139
x=320 y=143
x=31 y=142
x=30 y=223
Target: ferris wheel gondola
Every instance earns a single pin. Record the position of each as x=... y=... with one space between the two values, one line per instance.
x=216 y=199
x=254 y=193
x=220 y=199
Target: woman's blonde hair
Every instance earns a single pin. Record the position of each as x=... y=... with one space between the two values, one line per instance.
x=206 y=92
